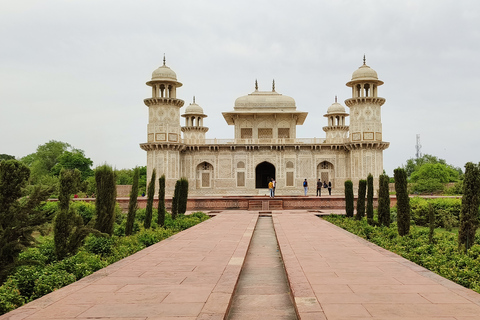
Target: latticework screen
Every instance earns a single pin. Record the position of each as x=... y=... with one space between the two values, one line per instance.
x=246 y=133
x=205 y=179
x=265 y=133
x=283 y=133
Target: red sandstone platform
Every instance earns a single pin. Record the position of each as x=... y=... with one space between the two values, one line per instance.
x=333 y=275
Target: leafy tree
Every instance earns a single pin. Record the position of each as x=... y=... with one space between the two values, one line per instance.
x=132 y=204
x=45 y=158
x=74 y=159
x=384 y=201
x=150 y=195
x=161 y=201
x=362 y=188
x=437 y=171
x=403 y=201
x=370 y=199
x=414 y=164
x=349 y=198
x=105 y=199
x=176 y=196
x=69 y=228
x=183 y=196
x=20 y=215
x=6 y=157
x=470 y=202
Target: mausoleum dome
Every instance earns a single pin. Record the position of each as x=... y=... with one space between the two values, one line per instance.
x=164 y=73
x=265 y=99
x=194 y=108
x=336 y=108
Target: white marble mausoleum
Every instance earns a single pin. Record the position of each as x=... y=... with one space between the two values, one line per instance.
x=264 y=144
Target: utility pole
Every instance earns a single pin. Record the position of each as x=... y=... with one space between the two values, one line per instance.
x=418 y=146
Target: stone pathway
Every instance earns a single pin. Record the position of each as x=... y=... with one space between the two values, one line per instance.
x=332 y=275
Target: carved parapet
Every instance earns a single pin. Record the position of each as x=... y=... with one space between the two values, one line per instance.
x=361 y=100
x=335 y=128
x=164 y=101
x=379 y=145
x=194 y=128
x=149 y=146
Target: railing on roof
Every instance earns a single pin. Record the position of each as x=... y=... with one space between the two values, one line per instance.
x=254 y=141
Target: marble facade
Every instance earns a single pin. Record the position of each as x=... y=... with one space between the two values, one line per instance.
x=264 y=145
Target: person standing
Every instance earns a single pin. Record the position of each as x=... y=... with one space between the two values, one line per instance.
x=270 y=188
x=305 y=186
x=274 y=186
x=329 y=188
x=319 y=188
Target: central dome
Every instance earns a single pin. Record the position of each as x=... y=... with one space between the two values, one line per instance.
x=263 y=100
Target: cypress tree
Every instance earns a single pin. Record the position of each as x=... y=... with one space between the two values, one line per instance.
x=370 y=200
x=150 y=195
x=183 y=196
x=19 y=217
x=176 y=196
x=65 y=221
x=362 y=189
x=105 y=199
x=403 y=202
x=132 y=204
x=349 y=198
x=384 y=201
x=431 y=222
x=469 y=209
x=161 y=201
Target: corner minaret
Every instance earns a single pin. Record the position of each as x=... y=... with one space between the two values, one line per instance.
x=194 y=131
x=365 y=139
x=163 y=130
x=337 y=128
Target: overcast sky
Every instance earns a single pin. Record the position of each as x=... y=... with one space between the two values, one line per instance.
x=75 y=71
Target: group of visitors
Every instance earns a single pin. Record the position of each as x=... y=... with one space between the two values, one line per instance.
x=320 y=185
x=272 y=184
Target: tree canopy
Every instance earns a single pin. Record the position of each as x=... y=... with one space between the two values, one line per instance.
x=51 y=157
x=414 y=164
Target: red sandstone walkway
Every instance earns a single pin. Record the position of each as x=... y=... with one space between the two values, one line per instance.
x=333 y=275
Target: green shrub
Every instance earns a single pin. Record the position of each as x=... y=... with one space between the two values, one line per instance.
x=85 y=209
x=82 y=264
x=51 y=279
x=10 y=297
x=426 y=186
x=99 y=245
x=25 y=277
x=456 y=189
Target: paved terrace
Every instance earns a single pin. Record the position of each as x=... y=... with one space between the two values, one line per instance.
x=332 y=275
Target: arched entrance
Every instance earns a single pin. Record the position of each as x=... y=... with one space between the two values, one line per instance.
x=326 y=173
x=264 y=172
